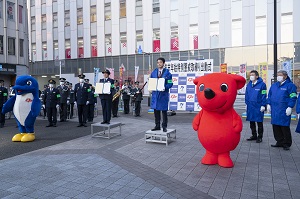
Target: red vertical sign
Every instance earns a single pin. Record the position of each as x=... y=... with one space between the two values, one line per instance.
x=174 y=44
x=80 y=52
x=68 y=53
x=195 y=41
x=156 y=46
x=94 y=51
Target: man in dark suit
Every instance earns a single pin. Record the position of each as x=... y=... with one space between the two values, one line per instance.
x=126 y=89
x=92 y=104
x=3 y=99
x=106 y=99
x=51 y=101
x=115 y=103
x=64 y=93
x=82 y=100
x=71 y=101
x=137 y=98
x=42 y=98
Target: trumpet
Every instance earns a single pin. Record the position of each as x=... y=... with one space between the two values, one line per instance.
x=117 y=95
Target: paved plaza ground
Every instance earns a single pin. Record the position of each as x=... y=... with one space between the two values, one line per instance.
x=66 y=162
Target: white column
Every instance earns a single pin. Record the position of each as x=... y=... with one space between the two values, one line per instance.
x=87 y=29
x=183 y=25
x=203 y=25
x=100 y=29
x=73 y=28
x=248 y=21
x=61 y=29
x=147 y=26
x=49 y=29
x=115 y=20
x=131 y=30
x=225 y=24
x=270 y=21
x=165 y=26
x=38 y=27
x=296 y=21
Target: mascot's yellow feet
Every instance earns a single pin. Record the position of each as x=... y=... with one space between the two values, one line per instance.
x=28 y=137
x=18 y=137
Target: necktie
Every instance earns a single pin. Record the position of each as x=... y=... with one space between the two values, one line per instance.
x=159 y=74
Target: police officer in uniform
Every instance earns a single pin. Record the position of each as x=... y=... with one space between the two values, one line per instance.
x=64 y=93
x=137 y=98
x=106 y=99
x=71 y=101
x=126 y=89
x=115 y=103
x=82 y=100
x=87 y=81
x=3 y=99
x=51 y=103
x=92 y=104
x=42 y=99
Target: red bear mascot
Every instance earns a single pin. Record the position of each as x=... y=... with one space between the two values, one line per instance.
x=218 y=125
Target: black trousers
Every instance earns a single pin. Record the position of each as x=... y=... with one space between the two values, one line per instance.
x=63 y=111
x=90 y=112
x=106 y=109
x=115 y=107
x=126 y=105
x=260 y=129
x=52 y=115
x=137 y=108
x=282 y=135
x=157 y=118
x=82 y=112
x=70 y=110
x=2 y=116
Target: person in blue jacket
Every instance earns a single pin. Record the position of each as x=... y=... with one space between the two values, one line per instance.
x=281 y=99
x=160 y=99
x=255 y=98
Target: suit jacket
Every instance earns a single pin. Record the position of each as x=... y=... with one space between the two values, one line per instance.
x=71 y=97
x=107 y=96
x=64 y=93
x=51 y=99
x=82 y=93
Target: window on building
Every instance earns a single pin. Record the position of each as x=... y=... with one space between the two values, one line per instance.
x=54 y=1
x=214 y=10
x=122 y=8
x=139 y=42
x=107 y=11
x=261 y=8
x=32 y=23
x=155 y=6
x=193 y=15
x=55 y=50
x=32 y=2
x=1 y=44
x=33 y=52
x=287 y=21
x=10 y=11
x=237 y=32
x=55 y=22
x=93 y=14
x=67 y=49
x=1 y=8
x=94 y=46
x=174 y=4
x=174 y=13
x=11 y=46
x=139 y=7
x=193 y=3
x=20 y=14
x=67 y=18
x=44 y=47
x=21 y=46
x=236 y=9
x=43 y=1
x=193 y=37
x=79 y=16
x=108 y=49
x=80 y=48
x=156 y=40
x=214 y=26
x=67 y=4
x=44 y=22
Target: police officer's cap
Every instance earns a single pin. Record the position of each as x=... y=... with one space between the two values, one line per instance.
x=81 y=76
x=52 y=81
x=137 y=82
x=62 y=79
x=70 y=84
x=67 y=83
x=86 y=80
x=106 y=71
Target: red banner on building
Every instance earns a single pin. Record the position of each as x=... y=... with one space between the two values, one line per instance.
x=174 y=44
x=80 y=53
x=195 y=41
x=68 y=53
x=156 y=46
x=94 y=51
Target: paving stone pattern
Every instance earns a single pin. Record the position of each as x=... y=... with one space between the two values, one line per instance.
x=127 y=167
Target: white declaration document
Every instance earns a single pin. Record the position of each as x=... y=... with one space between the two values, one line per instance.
x=156 y=84
x=103 y=88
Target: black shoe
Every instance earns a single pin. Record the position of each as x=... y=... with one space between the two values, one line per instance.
x=49 y=125
x=276 y=145
x=165 y=130
x=84 y=125
x=156 y=129
x=252 y=138
x=286 y=148
x=103 y=122
x=108 y=122
x=54 y=125
x=79 y=125
x=259 y=140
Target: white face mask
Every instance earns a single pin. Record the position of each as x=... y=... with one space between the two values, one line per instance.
x=51 y=85
x=81 y=80
x=280 y=78
x=61 y=83
x=252 y=78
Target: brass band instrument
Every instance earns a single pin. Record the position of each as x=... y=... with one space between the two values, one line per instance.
x=117 y=95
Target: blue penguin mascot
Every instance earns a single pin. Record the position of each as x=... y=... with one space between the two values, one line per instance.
x=26 y=106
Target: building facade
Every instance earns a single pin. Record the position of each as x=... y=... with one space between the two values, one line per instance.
x=108 y=33
x=13 y=40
